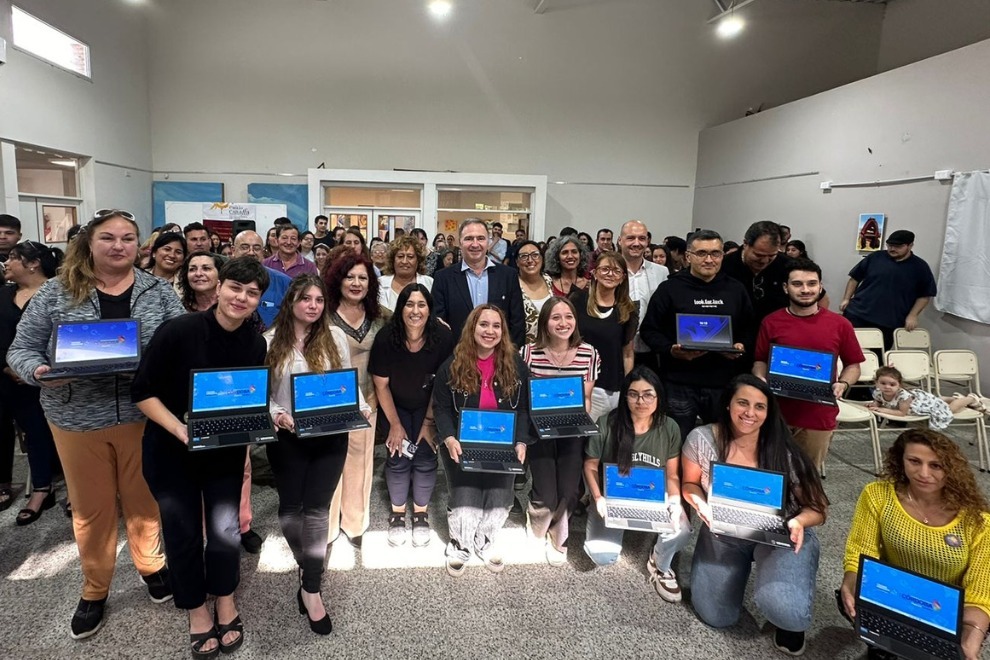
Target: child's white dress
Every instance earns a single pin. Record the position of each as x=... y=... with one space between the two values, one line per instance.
x=924 y=403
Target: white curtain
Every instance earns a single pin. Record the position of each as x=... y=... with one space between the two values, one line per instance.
x=964 y=276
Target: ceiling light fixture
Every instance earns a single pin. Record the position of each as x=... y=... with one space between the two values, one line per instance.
x=62 y=162
x=728 y=24
x=440 y=8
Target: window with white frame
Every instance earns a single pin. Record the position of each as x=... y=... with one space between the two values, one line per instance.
x=40 y=39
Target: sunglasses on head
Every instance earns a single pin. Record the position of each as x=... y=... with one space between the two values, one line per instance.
x=106 y=213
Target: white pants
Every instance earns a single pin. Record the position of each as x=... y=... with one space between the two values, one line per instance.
x=602 y=402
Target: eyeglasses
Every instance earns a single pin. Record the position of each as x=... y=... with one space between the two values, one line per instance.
x=704 y=254
x=645 y=397
x=758 y=291
x=105 y=213
x=608 y=270
x=529 y=256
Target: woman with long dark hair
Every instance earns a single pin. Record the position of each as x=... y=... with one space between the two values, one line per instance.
x=167 y=255
x=404 y=359
x=751 y=432
x=638 y=433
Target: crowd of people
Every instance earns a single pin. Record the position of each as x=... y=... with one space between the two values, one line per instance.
x=467 y=321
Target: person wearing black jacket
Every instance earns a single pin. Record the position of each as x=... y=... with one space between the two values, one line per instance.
x=694 y=380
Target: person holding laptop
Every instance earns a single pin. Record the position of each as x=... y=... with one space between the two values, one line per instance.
x=195 y=486
x=486 y=373
x=805 y=324
x=307 y=470
x=556 y=463
x=638 y=432
x=97 y=430
x=750 y=432
x=926 y=514
x=404 y=359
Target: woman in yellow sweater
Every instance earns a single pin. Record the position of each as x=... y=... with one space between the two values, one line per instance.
x=927 y=514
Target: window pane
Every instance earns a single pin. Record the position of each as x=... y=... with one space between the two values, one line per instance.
x=52 y=45
x=46 y=173
x=399 y=198
x=57 y=220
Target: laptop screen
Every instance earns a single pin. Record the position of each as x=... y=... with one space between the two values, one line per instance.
x=229 y=390
x=83 y=342
x=644 y=484
x=801 y=363
x=334 y=389
x=491 y=426
x=747 y=486
x=910 y=595
x=551 y=393
x=704 y=329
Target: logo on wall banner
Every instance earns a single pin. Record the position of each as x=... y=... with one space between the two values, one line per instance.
x=229 y=212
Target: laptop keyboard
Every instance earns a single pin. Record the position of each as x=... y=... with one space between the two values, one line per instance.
x=653 y=515
x=202 y=428
x=808 y=388
x=934 y=646
x=333 y=419
x=494 y=455
x=555 y=421
x=89 y=371
x=733 y=516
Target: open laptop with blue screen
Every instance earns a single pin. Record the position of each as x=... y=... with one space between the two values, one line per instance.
x=94 y=348
x=801 y=373
x=487 y=440
x=229 y=407
x=907 y=614
x=705 y=332
x=638 y=500
x=748 y=503
x=557 y=407
x=326 y=403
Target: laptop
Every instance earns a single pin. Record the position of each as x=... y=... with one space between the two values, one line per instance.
x=487 y=440
x=748 y=503
x=229 y=407
x=637 y=501
x=325 y=403
x=556 y=406
x=83 y=349
x=907 y=614
x=802 y=373
x=705 y=332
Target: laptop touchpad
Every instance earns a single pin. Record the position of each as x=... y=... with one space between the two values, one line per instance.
x=235 y=438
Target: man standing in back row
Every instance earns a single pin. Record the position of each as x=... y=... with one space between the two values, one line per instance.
x=888 y=290
x=644 y=278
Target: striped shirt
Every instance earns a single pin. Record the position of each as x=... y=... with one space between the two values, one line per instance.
x=586 y=362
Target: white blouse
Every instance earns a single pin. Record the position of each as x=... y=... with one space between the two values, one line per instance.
x=387 y=297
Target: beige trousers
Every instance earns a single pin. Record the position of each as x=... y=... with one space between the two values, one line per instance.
x=352 y=499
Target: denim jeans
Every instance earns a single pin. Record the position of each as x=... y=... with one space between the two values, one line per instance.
x=604 y=544
x=785 y=582
x=685 y=403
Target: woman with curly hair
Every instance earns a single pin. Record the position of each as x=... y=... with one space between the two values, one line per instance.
x=404 y=265
x=352 y=303
x=198 y=279
x=926 y=514
x=485 y=372
x=567 y=260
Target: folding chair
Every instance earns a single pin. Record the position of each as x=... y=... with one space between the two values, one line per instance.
x=853 y=414
x=913 y=340
x=867 y=370
x=960 y=367
x=914 y=366
x=870 y=339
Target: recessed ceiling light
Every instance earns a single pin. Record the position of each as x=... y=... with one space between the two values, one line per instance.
x=440 y=8
x=730 y=26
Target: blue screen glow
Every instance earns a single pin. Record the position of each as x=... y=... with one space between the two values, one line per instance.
x=801 y=363
x=81 y=342
x=334 y=389
x=226 y=390
x=492 y=426
x=644 y=484
x=740 y=484
x=915 y=597
x=703 y=328
x=550 y=393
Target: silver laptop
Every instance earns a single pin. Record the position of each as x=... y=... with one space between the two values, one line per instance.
x=82 y=349
x=487 y=440
x=229 y=407
x=705 y=332
x=748 y=503
x=557 y=408
x=326 y=403
x=801 y=373
x=637 y=500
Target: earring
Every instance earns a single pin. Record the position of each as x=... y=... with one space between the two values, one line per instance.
x=32 y=269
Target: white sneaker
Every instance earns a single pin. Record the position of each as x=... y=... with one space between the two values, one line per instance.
x=665 y=583
x=554 y=556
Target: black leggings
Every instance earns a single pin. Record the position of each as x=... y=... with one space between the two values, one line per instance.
x=307 y=471
x=556 y=466
x=420 y=472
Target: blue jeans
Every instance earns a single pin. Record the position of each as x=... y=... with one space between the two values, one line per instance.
x=604 y=544
x=785 y=582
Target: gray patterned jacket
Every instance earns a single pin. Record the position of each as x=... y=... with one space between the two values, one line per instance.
x=91 y=403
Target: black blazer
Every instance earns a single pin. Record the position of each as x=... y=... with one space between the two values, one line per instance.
x=452 y=299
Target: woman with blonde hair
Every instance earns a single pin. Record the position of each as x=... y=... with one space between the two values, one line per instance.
x=485 y=372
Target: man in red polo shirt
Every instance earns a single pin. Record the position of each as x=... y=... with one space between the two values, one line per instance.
x=804 y=324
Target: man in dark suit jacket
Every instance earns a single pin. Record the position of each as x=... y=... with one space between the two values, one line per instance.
x=476 y=280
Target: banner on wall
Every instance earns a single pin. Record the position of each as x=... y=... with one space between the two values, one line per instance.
x=219 y=216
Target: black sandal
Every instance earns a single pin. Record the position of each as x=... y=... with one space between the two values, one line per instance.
x=6 y=497
x=27 y=516
x=198 y=641
x=222 y=630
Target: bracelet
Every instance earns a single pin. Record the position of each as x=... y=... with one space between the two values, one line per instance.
x=847 y=384
x=973 y=625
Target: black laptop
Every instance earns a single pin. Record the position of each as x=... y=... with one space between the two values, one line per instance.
x=557 y=408
x=802 y=373
x=326 y=403
x=705 y=332
x=82 y=349
x=487 y=440
x=229 y=407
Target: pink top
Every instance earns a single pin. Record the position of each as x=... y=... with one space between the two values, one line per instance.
x=487 y=369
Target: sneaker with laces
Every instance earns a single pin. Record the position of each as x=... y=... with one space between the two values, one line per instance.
x=88 y=618
x=159 y=588
x=789 y=641
x=420 y=530
x=397 y=529
x=664 y=583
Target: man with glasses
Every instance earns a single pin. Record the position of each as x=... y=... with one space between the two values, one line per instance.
x=761 y=268
x=694 y=380
x=249 y=244
x=644 y=278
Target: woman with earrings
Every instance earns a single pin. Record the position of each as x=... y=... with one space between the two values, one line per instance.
x=307 y=470
x=29 y=265
x=607 y=319
x=567 y=262
x=167 y=255
x=485 y=372
x=198 y=280
x=536 y=286
x=556 y=463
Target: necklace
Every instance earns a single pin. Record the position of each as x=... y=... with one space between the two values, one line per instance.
x=559 y=360
x=917 y=507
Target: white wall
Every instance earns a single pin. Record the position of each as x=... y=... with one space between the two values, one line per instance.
x=916 y=29
x=916 y=119
x=589 y=92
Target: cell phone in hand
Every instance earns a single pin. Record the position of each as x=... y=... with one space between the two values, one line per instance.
x=408 y=448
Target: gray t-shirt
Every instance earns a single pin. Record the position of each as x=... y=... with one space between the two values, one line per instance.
x=652 y=449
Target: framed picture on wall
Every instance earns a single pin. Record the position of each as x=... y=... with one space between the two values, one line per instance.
x=56 y=221
x=869 y=232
